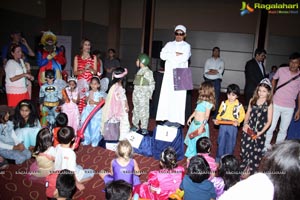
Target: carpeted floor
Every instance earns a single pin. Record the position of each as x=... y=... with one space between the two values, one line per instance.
x=14 y=183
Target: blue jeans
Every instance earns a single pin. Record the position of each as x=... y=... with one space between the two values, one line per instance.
x=217 y=86
x=226 y=140
x=18 y=156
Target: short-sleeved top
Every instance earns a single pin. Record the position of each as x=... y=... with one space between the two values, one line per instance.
x=286 y=95
x=203 y=105
x=65 y=158
x=195 y=191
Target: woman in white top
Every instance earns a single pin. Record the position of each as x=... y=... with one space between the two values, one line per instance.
x=16 y=77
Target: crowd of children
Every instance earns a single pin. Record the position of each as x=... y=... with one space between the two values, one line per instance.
x=51 y=139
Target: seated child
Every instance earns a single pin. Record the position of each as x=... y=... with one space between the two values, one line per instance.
x=118 y=190
x=60 y=121
x=228 y=174
x=161 y=183
x=43 y=152
x=26 y=123
x=124 y=166
x=65 y=157
x=60 y=185
x=195 y=183
x=10 y=146
x=203 y=147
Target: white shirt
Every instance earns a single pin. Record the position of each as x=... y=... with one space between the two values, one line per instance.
x=216 y=64
x=257 y=186
x=65 y=158
x=261 y=67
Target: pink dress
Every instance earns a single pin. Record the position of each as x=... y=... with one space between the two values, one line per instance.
x=71 y=109
x=161 y=184
x=114 y=108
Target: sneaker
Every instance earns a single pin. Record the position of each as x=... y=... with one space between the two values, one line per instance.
x=134 y=129
x=144 y=131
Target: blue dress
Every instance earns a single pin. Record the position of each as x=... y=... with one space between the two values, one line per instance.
x=92 y=133
x=191 y=143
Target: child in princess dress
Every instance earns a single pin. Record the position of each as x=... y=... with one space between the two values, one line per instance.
x=116 y=105
x=199 y=127
x=70 y=106
x=92 y=133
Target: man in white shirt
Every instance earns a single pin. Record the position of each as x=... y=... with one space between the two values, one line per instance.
x=213 y=71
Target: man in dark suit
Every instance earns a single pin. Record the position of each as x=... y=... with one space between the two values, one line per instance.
x=254 y=72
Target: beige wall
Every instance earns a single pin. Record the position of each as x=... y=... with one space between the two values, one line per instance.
x=29 y=7
x=95 y=11
x=132 y=13
x=284 y=25
x=199 y=15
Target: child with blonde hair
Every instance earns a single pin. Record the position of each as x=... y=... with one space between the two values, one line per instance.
x=199 y=126
x=124 y=167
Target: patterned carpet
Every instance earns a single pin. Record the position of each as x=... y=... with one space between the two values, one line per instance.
x=15 y=185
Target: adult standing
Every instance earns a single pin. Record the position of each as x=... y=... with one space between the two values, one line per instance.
x=85 y=66
x=16 y=38
x=254 y=73
x=284 y=98
x=171 y=104
x=16 y=77
x=213 y=72
x=110 y=64
x=50 y=57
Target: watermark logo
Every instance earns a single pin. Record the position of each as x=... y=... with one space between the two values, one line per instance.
x=272 y=8
x=246 y=8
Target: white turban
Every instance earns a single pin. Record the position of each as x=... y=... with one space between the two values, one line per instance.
x=180 y=27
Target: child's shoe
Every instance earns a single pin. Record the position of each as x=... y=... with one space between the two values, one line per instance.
x=134 y=129
x=144 y=131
